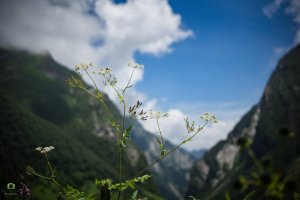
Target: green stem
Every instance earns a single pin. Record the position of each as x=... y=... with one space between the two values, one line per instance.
x=101 y=100
x=92 y=80
x=123 y=91
x=49 y=165
x=97 y=97
x=58 y=184
x=120 y=146
x=160 y=133
x=44 y=177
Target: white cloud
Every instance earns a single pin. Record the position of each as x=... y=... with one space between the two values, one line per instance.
x=65 y=30
x=294 y=9
x=270 y=9
x=291 y=7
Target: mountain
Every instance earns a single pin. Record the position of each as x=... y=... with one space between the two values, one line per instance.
x=171 y=174
x=37 y=108
x=278 y=111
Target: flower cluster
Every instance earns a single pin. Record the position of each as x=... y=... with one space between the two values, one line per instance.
x=83 y=66
x=24 y=192
x=108 y=76
x=209 y=117
x=75 y=82
x=105 y=71
x=134 y=113
x=44 y=149
x=157 y=114
x=135 y=65
x=190 y=126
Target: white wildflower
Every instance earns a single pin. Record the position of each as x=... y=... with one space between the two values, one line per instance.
x=44 y=149
x=105 y=71
x=83 y=66
x=209 y=117
x=135 y=65
x=157 y=114
x=38 y=148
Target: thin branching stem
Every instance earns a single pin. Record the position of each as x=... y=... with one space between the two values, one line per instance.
x=101 y=100
x=41 y=176
x=160 y=133
x=120 y=146
x=126 y=87
x=169 y=152
x=87 y=73
x=58 y=184
x=49 y=165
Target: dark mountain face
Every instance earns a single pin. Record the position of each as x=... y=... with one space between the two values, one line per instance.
x=198 y=153
x=277 y=113
x=37 y=108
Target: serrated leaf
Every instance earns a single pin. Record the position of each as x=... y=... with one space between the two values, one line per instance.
x=127 y=132
x=134 y=195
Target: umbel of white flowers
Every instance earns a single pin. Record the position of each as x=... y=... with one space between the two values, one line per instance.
x=135 y=65
x=157 y=114
x=44 y=149
x=83 y=66
x=209 y=117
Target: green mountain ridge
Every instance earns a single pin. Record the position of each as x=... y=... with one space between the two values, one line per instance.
x=278 y=110
x=39 y=109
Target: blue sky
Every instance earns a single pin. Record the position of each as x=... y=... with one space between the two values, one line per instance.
x=229 y=58
x=199 y=55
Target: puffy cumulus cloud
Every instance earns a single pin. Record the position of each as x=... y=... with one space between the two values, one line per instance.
x=102 y=32
x=174 y=130
x=149 y=26
x=41 y=26
x=291 y=7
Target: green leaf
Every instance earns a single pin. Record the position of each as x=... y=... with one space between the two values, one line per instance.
x=134 y=195
x=74 y=194
x=127 y=132
x=104 y=182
